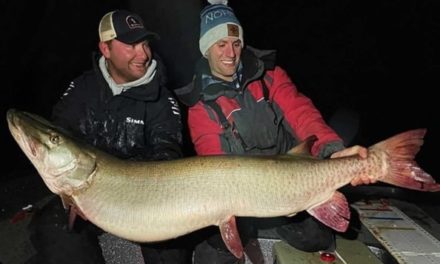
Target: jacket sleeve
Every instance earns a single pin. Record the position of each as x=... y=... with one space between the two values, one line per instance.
x=303 y=117
x=205 y=132
x=164 y=132
x=66 y=111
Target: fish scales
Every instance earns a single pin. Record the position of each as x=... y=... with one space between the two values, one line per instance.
x=192 y=197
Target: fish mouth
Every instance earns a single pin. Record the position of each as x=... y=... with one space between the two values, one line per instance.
x=10 y=118
x=27 y=143
x=14 y=127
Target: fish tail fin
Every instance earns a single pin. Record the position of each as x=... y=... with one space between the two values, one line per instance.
x=404 y=170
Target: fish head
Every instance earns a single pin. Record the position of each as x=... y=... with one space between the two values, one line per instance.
x=64 y=164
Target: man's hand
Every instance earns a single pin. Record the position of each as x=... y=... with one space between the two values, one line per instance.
x=355 y=150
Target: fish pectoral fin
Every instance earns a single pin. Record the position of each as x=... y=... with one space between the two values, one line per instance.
x=334 y=213
x=73 y=212
x=72 y=217
x=66 y=200
x=229 y=232
x=69 y=205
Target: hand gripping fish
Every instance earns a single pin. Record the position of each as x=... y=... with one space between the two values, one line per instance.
x=159 y=200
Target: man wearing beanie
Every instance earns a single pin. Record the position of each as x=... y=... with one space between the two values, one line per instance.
x=241 y=102
x=123 y=107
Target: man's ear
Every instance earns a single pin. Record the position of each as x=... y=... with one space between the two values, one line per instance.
x=104 y=47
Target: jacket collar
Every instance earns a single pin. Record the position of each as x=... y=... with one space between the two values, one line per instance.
x=144 y=92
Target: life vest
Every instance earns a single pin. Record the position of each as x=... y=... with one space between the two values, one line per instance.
x=257 y=127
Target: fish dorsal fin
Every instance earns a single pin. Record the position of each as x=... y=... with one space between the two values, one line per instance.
x=333 y=213
x=229 y=232
x=303 y=148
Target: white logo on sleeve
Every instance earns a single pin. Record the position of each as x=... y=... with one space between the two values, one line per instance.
x=174 y=106
x=66 y=92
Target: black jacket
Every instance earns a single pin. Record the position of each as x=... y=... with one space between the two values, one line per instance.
x=141 y=123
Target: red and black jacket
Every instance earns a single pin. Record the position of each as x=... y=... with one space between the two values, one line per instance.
x=266 y=115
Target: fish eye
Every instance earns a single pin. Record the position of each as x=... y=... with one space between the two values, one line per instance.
x=54 y=139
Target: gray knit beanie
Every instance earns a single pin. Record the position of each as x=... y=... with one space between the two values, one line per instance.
x=218 y=21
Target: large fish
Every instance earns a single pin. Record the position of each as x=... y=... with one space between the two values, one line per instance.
x=155 y=201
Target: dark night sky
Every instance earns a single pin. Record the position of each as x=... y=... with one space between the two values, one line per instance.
x=377 y=58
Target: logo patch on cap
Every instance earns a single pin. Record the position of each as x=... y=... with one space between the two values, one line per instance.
x=133 y=23
x=233 y=30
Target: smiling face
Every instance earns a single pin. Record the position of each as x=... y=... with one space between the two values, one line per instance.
x=224 y=57
x=126 y=62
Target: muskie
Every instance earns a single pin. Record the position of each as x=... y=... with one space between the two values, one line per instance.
x=159 y=200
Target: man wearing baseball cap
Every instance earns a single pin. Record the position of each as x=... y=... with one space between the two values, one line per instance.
x=124 y=26
x=122 y=107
